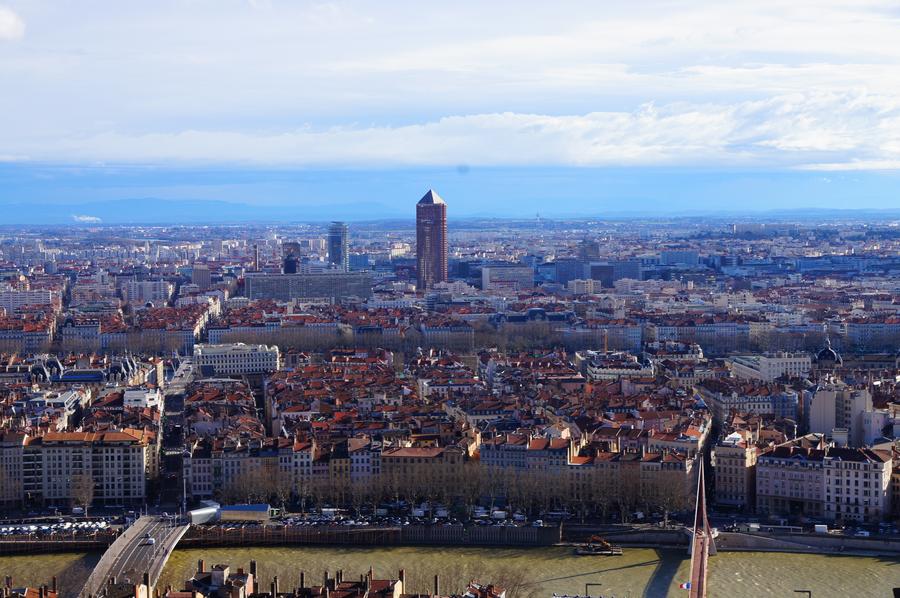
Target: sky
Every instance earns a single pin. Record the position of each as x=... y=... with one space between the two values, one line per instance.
x=506 y=108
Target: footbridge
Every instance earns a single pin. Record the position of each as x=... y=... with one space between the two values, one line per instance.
x=138 y=555
x=702 y=542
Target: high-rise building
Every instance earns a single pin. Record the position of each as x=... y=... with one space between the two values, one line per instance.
x=338 y=246
x=201 y=276
x=291 y=253
x=287 y=286
x=431 y=240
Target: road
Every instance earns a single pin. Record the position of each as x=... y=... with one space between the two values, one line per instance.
x=135 y=555
x=131 y=564
x=173 y=435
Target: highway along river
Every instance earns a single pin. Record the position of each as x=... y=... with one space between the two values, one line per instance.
x=528 y=572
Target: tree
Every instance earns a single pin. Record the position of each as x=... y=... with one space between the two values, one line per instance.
x=83 y=491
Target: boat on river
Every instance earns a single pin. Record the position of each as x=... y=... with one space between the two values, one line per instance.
x=597 y=546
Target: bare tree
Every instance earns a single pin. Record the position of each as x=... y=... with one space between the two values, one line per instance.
x=82 y=491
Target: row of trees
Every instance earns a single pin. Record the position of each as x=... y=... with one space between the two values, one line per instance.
x=592 y=492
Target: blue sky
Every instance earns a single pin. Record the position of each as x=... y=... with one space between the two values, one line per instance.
x=571 y=107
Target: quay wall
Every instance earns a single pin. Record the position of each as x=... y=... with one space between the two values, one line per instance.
x=389 y=536
x=807 y=543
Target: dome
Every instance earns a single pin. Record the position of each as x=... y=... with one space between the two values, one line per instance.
x=828 y=355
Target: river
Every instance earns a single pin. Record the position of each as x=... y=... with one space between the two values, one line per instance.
x=534 y=572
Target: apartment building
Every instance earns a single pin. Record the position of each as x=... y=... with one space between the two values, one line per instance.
x=507 y=278
x=790 y=480
x=438 y=465
x=12 y=300
x=735 y=471
x=771 y=366
x=232 y=359
x=725 y=396
x=838 y=407
x=857 y=484
x=147 y=291
x=60 y=468
x=285 y=287
x=613 y=365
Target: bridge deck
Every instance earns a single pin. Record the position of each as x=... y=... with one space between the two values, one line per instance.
x=702 y=542
x=132 y=556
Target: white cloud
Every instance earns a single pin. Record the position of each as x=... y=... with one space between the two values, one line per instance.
x=11 y=25
x=794 y=131
x=357 y=83
x=86 y=219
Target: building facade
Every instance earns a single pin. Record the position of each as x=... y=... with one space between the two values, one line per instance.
x=431 y=240
x=233 y=359
x=339 y=245
x=285 y=287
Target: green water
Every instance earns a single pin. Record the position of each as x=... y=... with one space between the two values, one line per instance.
x=531 y=572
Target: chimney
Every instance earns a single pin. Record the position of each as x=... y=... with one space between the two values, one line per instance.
x=275 y=586
x=53 y=581
x=325 y=579
x=201 y=566
x=437 y=585
x=302 y=580
x=147 y=580
x=41 y=592
x=253 y=569
x=403 y=577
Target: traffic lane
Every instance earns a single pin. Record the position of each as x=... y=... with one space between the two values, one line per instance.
x=136 y=558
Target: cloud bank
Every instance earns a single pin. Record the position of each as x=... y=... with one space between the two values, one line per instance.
x=765 y=84
x=811 y=131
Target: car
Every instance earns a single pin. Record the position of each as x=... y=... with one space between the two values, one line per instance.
x=150 y=541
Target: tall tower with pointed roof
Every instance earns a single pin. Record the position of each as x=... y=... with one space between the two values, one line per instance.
x=431 y=240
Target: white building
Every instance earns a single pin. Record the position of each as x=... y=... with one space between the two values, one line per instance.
x=13 y=299
x=857 y=484
x=583 y=287
x=770 y=367
x=837 y=406
x=613 y=365
x=147 y=291
x=237 y=358
x=142 y=397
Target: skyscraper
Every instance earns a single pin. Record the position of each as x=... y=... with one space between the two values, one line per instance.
x=431 y=240
x=338 y=246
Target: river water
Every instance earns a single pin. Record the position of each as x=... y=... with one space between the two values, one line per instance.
x=532 y=572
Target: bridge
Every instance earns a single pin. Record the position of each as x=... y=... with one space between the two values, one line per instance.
x=702 y=542
x=137 y=556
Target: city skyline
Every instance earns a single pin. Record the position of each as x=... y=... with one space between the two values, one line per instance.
x=491 y=293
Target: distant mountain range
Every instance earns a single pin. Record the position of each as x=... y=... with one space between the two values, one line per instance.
x=166 y=211
x=159 y=211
